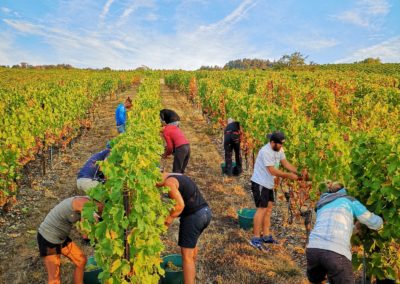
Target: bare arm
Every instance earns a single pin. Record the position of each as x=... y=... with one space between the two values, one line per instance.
x=174 y=194
x=282 y=174
x=289 y=166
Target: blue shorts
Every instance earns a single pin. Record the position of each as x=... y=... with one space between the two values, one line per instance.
x=191 y=227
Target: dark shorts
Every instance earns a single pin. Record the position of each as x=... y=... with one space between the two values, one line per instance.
x=192 y=226
x=46 y=248
x=322 y=263
x=262 y=195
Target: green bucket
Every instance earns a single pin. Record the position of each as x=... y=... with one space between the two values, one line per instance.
x=246 y=216
x=223 y=165
x=91 y=277
x=172 y=277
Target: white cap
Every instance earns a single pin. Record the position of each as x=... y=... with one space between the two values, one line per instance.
x=230 y=120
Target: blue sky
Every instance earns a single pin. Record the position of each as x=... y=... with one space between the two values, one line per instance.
x=125 y=34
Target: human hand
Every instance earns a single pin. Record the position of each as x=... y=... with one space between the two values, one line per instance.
x=293 y=176
x=168 y=221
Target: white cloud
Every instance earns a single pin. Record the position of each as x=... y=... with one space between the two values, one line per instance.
x=106 y=8
x=5 y=10
x=24 y=27
x=387 y=51
x=315 y=43
x=354 y=17
x=10 y=55
x=121 y=45
x=365 y=13
x=135 y=5
x=238 y=14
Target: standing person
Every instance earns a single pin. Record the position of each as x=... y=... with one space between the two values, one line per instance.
x=232 y=142
x=328 y=250
x=120 y=114
x=178 y=145
x=195 y=216
x=53 y=238
x=168 y=116
x=266 y=169
x=90 y=175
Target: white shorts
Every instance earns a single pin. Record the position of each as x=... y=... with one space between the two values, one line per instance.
x=86 y=183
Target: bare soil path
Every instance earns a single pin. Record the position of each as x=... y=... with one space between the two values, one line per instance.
x=225 y=255
x=19 y=257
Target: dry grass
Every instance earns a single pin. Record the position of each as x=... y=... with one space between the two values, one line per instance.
x=225 y=254
x=19 y=257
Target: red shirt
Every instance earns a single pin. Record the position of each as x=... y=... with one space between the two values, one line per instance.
x=174 y=138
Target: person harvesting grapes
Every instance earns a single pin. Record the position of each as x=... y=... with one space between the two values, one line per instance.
x=328 y=250
x=178 y=145
x=266 y=168
x=120 y=114
x=53 y=238
x=168 y=116
x=90 y=175
x=195 y=215
x=232 y=143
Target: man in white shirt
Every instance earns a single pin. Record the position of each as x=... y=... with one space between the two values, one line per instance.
x=266 y=169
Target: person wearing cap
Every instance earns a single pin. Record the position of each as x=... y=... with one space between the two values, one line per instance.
x=328 y=250
x=169 y=117
x=266 y=168
x=90 y=175
x=232 y=142
x=195 y=216
x=120 y=114
x=178 y=145
x=53 y=237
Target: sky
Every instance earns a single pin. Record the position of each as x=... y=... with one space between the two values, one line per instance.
x=186 y=34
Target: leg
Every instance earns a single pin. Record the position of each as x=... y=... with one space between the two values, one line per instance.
x=261 y=202
x=52 y=263
x=189 y=267
x=76 y=255
x=267 y=219
x=316 y=273
x=228 y=155
x=238 y=157
x=186 y=160
x=179 y=158
x=338 y=267
x=258 y=221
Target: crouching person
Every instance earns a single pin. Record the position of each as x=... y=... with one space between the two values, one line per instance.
x=195 y=216
x=53 y=238
x=328 y=251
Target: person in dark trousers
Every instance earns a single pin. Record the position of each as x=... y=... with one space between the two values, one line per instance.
x=120 y=114
x=328 y=250
x=178 y=145
x=53 y=237
x=232 y=142
x=168 y=116
x=90 y=175
x=195 y=215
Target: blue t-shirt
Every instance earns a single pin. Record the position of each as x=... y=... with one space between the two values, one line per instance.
x=90 y=169
x=120 y=114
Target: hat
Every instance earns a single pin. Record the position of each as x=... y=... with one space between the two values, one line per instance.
x=276 y=137
x=230 y=120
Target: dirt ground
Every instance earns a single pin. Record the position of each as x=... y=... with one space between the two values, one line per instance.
x=19 y=257
x=225 y=255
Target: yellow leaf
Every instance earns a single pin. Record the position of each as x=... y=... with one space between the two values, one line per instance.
x=116 y=264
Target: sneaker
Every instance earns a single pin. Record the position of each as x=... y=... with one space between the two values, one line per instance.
x=269 y=240
x=257 y=243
